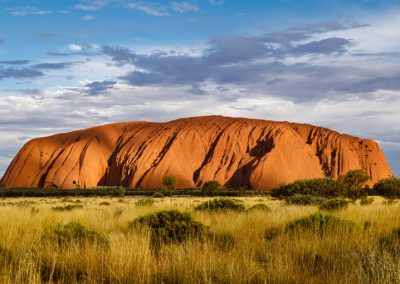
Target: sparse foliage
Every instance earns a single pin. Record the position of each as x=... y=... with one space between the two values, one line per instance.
x=325 y=187
x=354 y=181
x=221 y=204
x=169 y=182
x=389 y=187
x=334 y=204
x=298 y=199
x=64 y=234
x=170 y=226
x=210 y=187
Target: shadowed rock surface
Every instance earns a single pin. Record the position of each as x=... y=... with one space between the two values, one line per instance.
x=234 y=151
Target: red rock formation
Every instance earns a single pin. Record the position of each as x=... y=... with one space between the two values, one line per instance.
x=235 y=151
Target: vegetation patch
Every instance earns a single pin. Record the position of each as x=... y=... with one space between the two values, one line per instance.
x=334 y=204
x=222 y=204
x=6 y=257
x=319 y=224
x=145 y=202
x=104 y=203
x=390 y=201
x=210 y=187
x=74 y=232
x=56 y=273
x=259 y=207
x=68 y=207
x=326 y=187
x=118 y=212
x=390 y=242
x=158 y=195
x=299 y=199
x=170 y=226
x=222 y=241
x=272 y=233
x=366 y=200
x=389 y=187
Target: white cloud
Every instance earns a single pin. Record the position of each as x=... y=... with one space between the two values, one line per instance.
x=75 y=47
x=26 y=11
x=381 y=35
x=147 y=9
x=217 y=2
x=88 y=18
x=183 y=7
x=316 y=79
x=91 y=5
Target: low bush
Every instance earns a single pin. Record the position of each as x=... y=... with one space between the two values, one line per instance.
x=334 y=204
x=326 y=187
x=390 y=201
x=69 y=207
x=221 y=204
x=104 y=203
x=145 y=202
x=121 y=191
x=389 y=187
x=354 y=182
x=210 y=187
x=366 y=200
x=298 y=199
x=158 y=195
x=259 y=207
x=170 y=226
x=64 y=234
x=319 y=224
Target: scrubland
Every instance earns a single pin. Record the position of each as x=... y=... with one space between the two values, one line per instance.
x=89 y=240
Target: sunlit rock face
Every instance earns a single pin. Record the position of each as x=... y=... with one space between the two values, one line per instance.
x=258 y=154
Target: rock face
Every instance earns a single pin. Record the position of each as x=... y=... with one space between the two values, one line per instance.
x=234 y=151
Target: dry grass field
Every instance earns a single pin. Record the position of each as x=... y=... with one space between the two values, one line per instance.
x=256 y=247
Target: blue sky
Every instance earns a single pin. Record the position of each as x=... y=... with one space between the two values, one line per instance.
x=72 y=64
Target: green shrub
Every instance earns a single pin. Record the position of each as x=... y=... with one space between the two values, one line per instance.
x=64 y=234
x=259 y=207
x=307 y=199
x=121 y=191
x=388 y=187
x=366 y=200
x=67 y=207
x=158 y=195
x=354 y=181
x=319 y=224
x=170 y=226
x=221 y=204
x=390 y=201
x=326 y=187
x=169 y=182
x=334 y=204
x=145 y=202
x=210 y=187
x=222 y=241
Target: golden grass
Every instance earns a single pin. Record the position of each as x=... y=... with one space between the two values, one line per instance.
x=341 y=256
